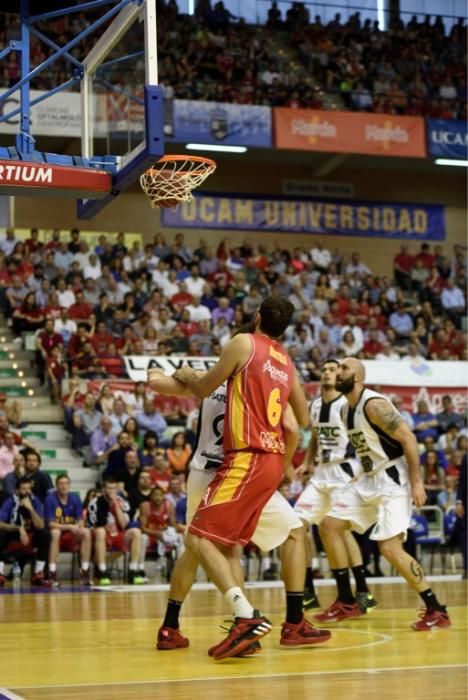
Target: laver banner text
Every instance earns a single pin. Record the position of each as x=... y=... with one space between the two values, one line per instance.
x=370 y=219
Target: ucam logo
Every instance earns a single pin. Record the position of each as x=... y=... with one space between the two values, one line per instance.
x=386 y=134
x=449 y=138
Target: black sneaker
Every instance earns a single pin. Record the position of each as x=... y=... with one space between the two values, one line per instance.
x=142 y=575
x=53 y=579
x=366 y=602
x=135 y=578
x=311 y=601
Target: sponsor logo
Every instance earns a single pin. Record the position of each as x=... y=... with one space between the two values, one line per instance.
x=271 y=443
x=216 y=396
x=421 y=369
x=24 y=174
x=277 y=375
x=326 y=431
x=281 y=357
x=386 y=135
x=313 y=129
x=449 y=138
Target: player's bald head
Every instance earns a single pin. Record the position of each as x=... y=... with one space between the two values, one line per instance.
x=356 y=366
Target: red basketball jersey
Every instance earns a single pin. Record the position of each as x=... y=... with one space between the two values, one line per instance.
x=158 y=519
x=257 y=396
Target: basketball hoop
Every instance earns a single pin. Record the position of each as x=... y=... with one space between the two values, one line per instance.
x=172 y=179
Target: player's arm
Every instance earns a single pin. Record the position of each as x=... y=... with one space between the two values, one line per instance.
x=291 y=435
x=167 y=386
x=382 y=414
x=298 y=402
x=311 y=454
x=234 y=355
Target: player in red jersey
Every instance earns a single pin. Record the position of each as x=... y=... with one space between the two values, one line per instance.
x=261 y=381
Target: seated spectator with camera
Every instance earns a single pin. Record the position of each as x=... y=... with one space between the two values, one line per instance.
x=23 y=531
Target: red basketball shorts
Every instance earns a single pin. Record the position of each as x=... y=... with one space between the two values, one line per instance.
x=231 y=506
x=69 y=541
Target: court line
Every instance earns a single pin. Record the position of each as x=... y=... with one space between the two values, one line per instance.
x=263 y=585
x=6 y=694
x=340 y=672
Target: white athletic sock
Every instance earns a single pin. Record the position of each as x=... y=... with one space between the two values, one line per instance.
x=84 y=565
x=39 y=567
x=240 y=606
x=133 y=566
x=315 y=563
x=101 y=567
x=2 y=568
x=266 y=563
x=53 y=568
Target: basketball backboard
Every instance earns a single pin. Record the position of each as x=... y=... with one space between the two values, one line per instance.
x=121 y=104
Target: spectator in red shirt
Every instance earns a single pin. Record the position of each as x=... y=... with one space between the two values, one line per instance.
x=182 y=299
x=56 y=368
x=425 y=256
x=78 y=340
x=438 y=345
x=46 y=341
x=101 y=339
x=160 y=472
x=33 y=244
x=81 y=310
x=402 y=264
x=372 y=346
x=29 y=316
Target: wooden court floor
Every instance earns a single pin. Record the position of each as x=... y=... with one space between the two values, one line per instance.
x=100 y=645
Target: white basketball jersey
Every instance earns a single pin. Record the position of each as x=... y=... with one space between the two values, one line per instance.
x=208 y=451
x=330 y=431
x=375 y=449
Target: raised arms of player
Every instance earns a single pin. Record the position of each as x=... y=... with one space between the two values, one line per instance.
x=234 y=355
x=386 y=417
x=168 y=386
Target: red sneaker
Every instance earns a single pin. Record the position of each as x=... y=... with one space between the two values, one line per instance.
x=85 y=577
x=169 y=639
x=254 y=648
x=302 y=633
x=2 y=580
x=40 y=580
x=243 y=632
x=432 y=618
x=337 y=612
x=54 y=582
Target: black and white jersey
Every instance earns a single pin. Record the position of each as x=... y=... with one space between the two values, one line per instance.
x=375 y=449
x=208 y=451
x=330 y=431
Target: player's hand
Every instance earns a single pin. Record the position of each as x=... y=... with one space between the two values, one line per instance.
x=183 y=374
x=26 y=503
x=303 y=469
x=418 y=494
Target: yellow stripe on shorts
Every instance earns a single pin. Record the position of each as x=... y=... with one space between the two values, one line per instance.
x=233 y=479
x=238 y=413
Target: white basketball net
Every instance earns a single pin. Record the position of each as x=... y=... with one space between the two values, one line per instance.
x=173 y=180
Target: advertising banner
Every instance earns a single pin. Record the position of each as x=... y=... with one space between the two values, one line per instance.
x=349 y=132
x=223 y=123
x=58 y=115
x=342 y=218
x=447 y=139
